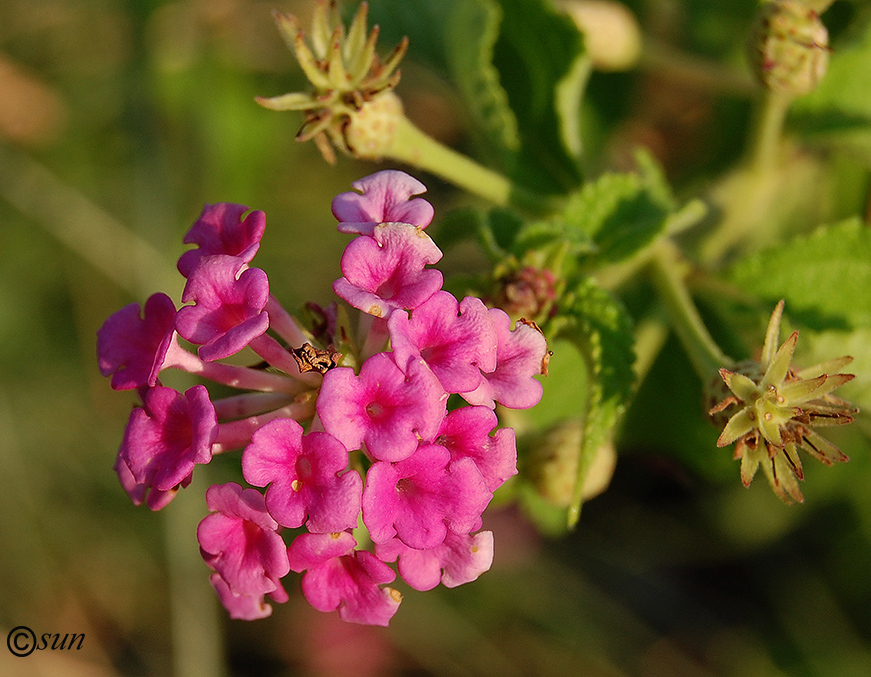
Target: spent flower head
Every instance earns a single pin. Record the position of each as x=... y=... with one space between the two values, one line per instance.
x=348 y=77
x=779 y=407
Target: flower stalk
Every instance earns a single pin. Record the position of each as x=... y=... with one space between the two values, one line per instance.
x=667 y=273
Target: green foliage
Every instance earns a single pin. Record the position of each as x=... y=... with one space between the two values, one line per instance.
x=600 y=328
x=470 y=41
x=537 y=57
x=839 y=111
x=608 y=220
x=824 y=277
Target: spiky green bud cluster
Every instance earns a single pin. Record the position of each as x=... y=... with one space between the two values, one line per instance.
x=778 y=408
x=349 y=81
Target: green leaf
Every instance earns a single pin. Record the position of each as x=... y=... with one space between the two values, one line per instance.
x=538 y=56
x=601 y=329
x=618 y=213
x=839 y=110
x=539 y=234
x=824 y=277
x=469 y=43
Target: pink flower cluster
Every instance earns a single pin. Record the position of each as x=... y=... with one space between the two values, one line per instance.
x=350 y=449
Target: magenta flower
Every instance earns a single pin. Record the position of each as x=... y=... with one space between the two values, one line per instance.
x=457 y=340
x=228 y=312
x=519 y=358
x=420 y=498
x=303 y=473
x=465 y=432
x=239 y=540
x=460 y=559
x=131 y=348
x=386 y=197
x=168 y=435
x=339 y=577
x=387 y=271
x=220 y=229
x=144 y=493
x=245 y=607
x=383 y=408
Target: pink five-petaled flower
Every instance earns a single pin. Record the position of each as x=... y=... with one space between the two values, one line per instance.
x=387 y=196
x=421 y=498
x=228 y=312
x=169 y=434
x=131 y=348
x=519 y=357
x=460 y=559
x=304 y=476
x=339 y=577
x=387 y=271
x=457 y=340
x=465 y=433
x=240 y=541
x=220 y=229
x=382 y=407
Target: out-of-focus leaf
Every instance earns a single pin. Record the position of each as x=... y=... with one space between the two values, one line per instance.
x=824 y=277
x=537 y=56
x=839 y=110
x=469 y=43
x=611 y=218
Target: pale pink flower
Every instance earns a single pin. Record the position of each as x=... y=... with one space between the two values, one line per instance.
x=385 y=196
x=520 y=356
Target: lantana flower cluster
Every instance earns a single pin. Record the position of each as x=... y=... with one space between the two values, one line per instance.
x=342 y=451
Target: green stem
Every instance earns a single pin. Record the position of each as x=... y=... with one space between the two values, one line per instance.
x=667 y=272
x=765 y=141
x=413 y=146
x=748 y=195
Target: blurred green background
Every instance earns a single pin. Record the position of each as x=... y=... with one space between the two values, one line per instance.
x=118 y=121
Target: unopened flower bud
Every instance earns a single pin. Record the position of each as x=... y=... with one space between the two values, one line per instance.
x=529 y=292
x=553 y=465
x=789 y=48
x=611 y=32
